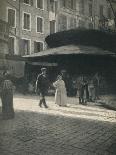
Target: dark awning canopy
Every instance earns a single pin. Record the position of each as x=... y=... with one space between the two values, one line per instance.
x=72 y=50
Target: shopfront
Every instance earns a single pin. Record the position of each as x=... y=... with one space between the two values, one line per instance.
x=79 y=60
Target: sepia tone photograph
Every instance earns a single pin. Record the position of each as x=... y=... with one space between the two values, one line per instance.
x=57 y=77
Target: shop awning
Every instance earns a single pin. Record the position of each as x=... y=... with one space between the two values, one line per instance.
x=72 y=49
x=42 y=64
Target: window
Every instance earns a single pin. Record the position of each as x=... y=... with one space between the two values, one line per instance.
x=40 y=24
x=63 y=3
x=25 y=46
x=62 y=23
x=11 y=17
x=38 y=46
x=82 y=6
x=90 y=9
x=81 y=24
x=11 y=45
x=52 y=5
x=72 y=23
x=52 y=27
x=101 y=11
x=40 y=4
x=71 y=4
x=90 y=26
x=27 y=21
x=29 y=2
x=4 y=28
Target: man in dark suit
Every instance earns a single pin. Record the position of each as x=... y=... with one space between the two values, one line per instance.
x=42 y=85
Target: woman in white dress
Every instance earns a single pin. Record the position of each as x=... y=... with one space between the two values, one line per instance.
x=60 y=95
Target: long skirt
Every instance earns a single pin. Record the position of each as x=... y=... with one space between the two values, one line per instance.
x=61 y=98
x=7 y=104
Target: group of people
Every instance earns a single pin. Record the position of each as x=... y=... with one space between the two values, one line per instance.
x=43 y=84
x=87 y=91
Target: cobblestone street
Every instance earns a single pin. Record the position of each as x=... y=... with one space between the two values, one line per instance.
x=71 y=130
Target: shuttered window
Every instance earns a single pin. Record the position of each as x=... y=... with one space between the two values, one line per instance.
x=72 y=23
x=81 y=6
x=11 y=45
x=27 y=21
x=38 y=46
x=52 y=5
x=40 y=4
x=52 y=27
x=11 y=17
x=62 y=23
x=40 y=24
x=25 y=47
x=63 y=3
x=71 y=4
x=4 y=28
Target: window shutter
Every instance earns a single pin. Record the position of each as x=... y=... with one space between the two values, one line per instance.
x=21 y=47
x=11 y=45
x=11 y=17
x=41 y=46
x=39 y=24
x=63 y=3
x=52 y=27
x=26 y=21
x=40 y=4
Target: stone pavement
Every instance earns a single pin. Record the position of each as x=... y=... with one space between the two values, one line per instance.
x=72 y=130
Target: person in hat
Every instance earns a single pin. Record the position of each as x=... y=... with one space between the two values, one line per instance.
x=42 y=85
x=60 y=95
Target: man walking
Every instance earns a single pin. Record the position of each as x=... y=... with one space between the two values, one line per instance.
x=42 y=85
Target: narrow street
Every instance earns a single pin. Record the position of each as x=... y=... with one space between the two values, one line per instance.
x=71 y=130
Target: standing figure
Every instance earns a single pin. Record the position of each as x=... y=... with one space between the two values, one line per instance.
x=96 y=80
x=7 y=97
x=42 y=85
x=86 y=92
x=67 y=81
x=91 y=89
x=30 y=88
x=60 y=95
x=81 y=90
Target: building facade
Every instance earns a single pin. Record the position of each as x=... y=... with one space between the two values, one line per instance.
x=83 y=13
x=30 y=21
